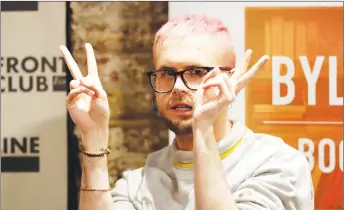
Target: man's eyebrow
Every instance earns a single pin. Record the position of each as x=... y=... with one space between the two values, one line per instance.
x=164 y=67
x=167 y=68
x=193 y=66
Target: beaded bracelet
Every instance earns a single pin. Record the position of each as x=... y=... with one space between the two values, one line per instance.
x=104 y=151
x=94 y=189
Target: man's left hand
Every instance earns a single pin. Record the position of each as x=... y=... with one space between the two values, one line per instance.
x=218 y=90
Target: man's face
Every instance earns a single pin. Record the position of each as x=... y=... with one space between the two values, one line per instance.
x=176 y=106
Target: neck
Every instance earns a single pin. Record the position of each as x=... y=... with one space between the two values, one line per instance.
x=222 y=127
x=184 y=142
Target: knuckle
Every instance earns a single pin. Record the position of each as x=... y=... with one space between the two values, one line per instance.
x=227 y=100
x=103 y=93
x=237 y=84
x=73 y=84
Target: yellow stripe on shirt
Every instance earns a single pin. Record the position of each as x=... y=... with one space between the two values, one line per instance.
x=222 y=155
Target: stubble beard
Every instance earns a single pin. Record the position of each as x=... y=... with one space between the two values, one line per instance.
x=179 y=127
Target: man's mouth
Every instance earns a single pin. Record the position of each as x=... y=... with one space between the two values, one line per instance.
x=181 y=107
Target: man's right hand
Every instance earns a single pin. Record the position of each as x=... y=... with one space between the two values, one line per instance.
x=87 y=101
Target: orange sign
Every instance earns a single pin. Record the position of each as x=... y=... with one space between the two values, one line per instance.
x=298 y=95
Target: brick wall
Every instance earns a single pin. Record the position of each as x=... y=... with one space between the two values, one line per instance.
x=122 y=35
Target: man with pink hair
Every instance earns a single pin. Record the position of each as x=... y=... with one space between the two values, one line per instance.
x=213 y=163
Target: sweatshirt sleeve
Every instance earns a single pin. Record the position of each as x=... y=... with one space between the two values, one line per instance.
x=284 y=182
x=125 y=191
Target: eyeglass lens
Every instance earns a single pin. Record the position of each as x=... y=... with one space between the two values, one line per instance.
x=163 y=81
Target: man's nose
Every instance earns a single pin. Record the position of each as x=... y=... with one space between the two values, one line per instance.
x=179 y=85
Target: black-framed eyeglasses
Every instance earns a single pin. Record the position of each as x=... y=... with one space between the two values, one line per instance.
x=163 y=81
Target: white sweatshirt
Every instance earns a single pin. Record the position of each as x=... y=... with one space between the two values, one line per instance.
x=261 y=170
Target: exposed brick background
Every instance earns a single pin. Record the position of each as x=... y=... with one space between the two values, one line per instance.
x=122 y=35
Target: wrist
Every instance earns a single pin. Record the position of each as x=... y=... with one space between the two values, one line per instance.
x=95 y=140
x=90 y=164
x=94 y=168
x=203 y=132
x=204 y=139
x=205 y=149
x=202 y=124
x=94 y=172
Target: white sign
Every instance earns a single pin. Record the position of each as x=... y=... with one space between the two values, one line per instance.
x=33 y=113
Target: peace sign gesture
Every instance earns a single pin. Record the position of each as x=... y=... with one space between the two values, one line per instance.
x=209 y=106
x=87 y=101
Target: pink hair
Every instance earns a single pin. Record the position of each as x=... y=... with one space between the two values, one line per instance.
x=189 y=24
